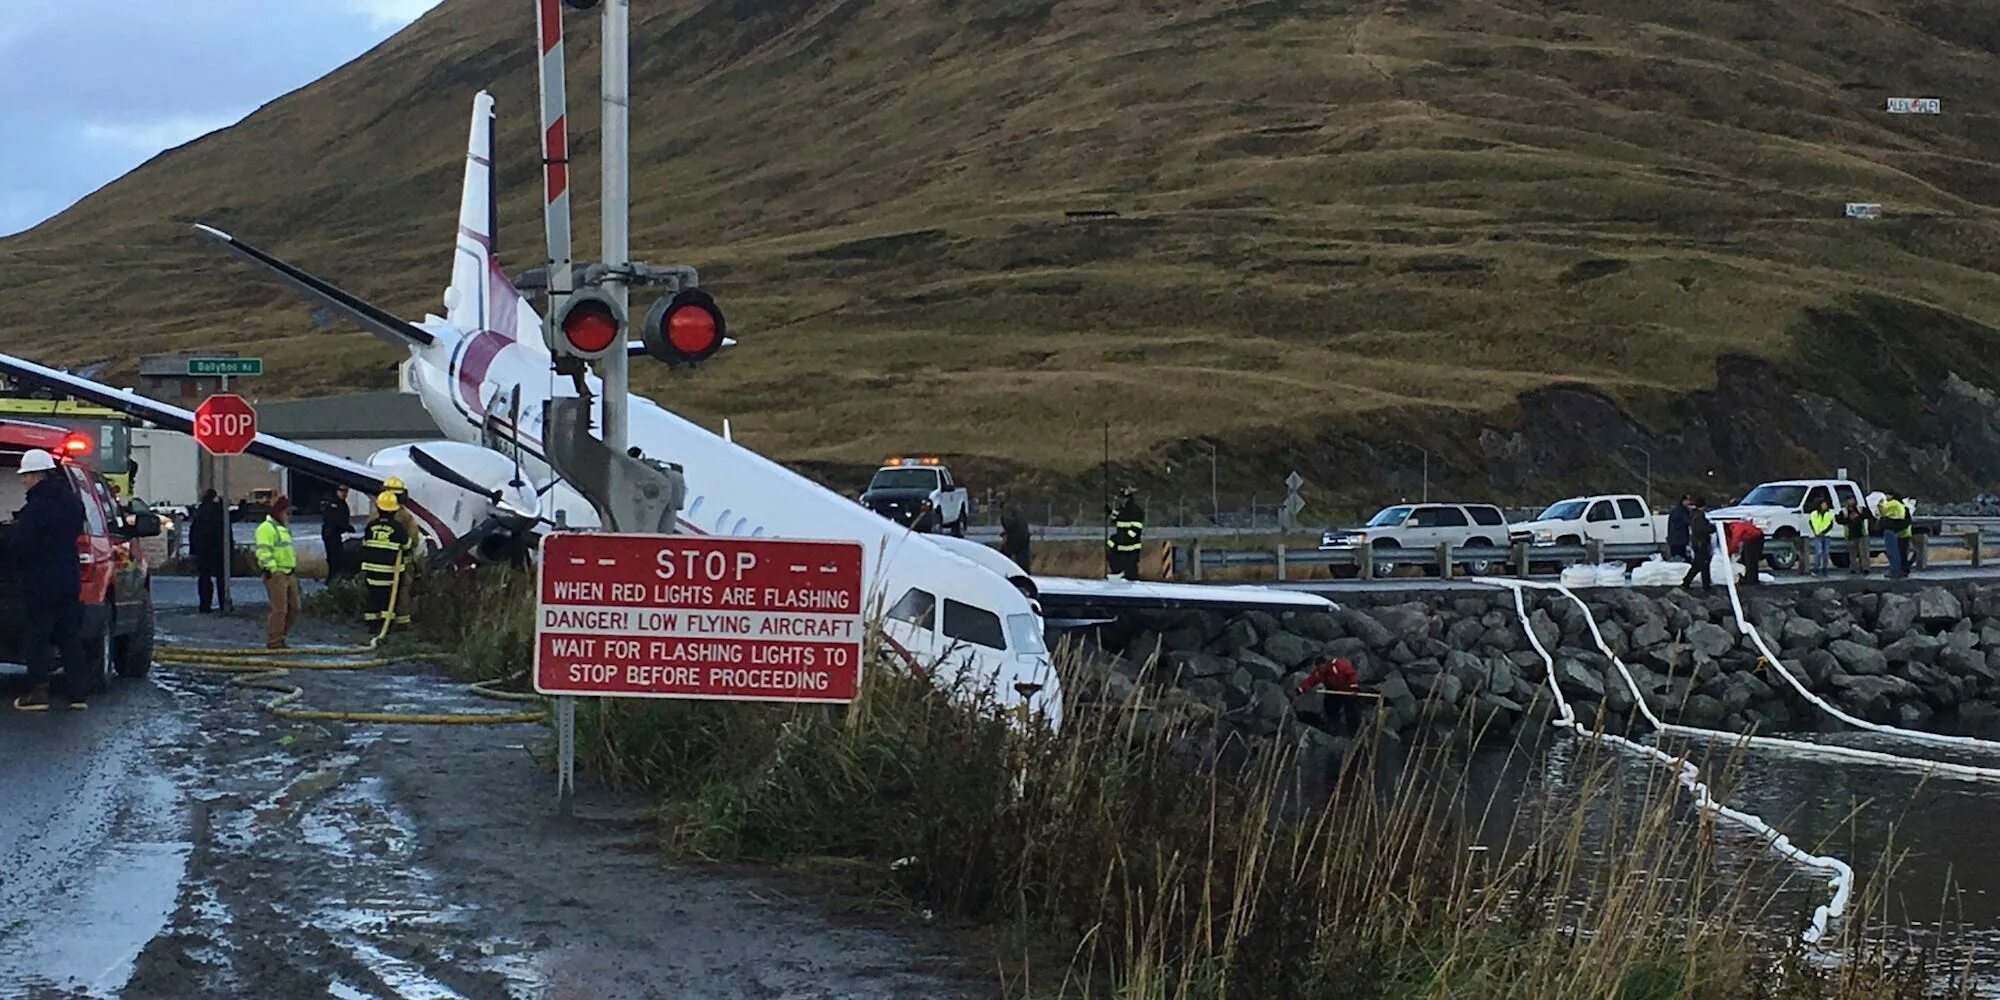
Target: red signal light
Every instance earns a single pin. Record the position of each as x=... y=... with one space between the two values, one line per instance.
x=75 y=443
x=590 y=327
x=590 y=324
x=686 y=329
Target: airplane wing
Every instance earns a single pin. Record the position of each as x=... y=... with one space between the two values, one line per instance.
x=332 y=468
x=1065 y=597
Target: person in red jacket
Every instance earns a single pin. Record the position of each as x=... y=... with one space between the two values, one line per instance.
x=1746 y=540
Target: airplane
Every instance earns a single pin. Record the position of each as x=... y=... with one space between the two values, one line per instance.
x=955 y=609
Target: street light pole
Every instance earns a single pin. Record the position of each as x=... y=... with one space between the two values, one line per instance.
x=1427 y=473
x=614 y=368
x=1649 y=471
x=1214 y=497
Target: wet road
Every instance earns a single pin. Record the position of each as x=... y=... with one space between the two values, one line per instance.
x=93 y=837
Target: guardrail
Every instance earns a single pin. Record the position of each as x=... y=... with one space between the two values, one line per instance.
x=1368 y=561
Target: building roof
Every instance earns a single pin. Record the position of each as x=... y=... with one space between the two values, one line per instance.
x=394 y=416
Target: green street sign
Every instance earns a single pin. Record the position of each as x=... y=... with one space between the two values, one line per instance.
x=232 y=367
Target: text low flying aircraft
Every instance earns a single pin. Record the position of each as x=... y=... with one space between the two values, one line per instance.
x=483 y=372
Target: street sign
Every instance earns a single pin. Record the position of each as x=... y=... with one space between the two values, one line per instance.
x=232 y=367
x=1915 y=106
x=693 y=616
x=225 y=424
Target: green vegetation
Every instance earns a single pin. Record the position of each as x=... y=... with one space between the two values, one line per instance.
x=1129 y=855
x=1343 y=224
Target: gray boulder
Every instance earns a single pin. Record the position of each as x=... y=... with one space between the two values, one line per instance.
x=1442 y=687
x=1981 y=715
x=1320 y=627
x=1400 y=701
x=1818 y=666
x=1703 y=712
x=1261 y=667
x=1464 y=634
x=1578 y=679
x=1236 y=637
x=1649 y=633
x=1467 y=667
x=1914 y=647
x=1802 y=633
x=1409 y=622
x=1912 y=714
x=1363 y=626
x=1545 y=629
x=1504 y=638
x=1709 y=640
x=1858 y=659
x=1894 y=615
x=1288 y=650
x=1184 y=667
x=1501 y=677
x=1938 y=606
x=1874 y=697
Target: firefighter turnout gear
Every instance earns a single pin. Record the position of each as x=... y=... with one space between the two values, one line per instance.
x=385 y=551
x=405 y=603
x=1128 y=529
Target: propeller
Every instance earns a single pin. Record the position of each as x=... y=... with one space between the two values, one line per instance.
x=477 y=539
x=430 y=463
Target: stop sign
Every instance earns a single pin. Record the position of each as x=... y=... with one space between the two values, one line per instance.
x=225 y=423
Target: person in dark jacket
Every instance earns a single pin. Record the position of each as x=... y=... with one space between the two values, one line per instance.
x=1128 y=532
x=1678 y=522
x=1701 y=545
x=210 y=525
x=1014 y=542
x=44 y=555
x=335 y=524
x=1855 y=521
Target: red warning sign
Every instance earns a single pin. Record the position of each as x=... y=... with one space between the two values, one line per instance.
x=691 y=616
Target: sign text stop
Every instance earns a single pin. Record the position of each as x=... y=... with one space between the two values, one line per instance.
x=225 y=424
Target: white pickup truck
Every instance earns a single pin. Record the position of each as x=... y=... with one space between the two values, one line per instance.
x=901 y=486
x=1614 y=519
x=1780 y=509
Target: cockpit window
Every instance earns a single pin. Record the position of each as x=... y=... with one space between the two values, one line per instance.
x=974 y=625
x=915 y=607
x=1024 y=632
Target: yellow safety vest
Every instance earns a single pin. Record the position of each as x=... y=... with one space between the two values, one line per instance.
x=1821 y=521
x=274 y=548
x=1894 y=510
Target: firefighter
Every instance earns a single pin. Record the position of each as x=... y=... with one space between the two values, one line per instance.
x=1128 y=529
x=47 y=579
x=405 y=600
x=385 y=550
x=1014 y=540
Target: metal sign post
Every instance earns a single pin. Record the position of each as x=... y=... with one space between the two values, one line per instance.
x=614 y=368
x=225 y=602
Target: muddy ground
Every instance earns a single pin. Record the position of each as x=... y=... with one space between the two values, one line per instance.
x=174 y=840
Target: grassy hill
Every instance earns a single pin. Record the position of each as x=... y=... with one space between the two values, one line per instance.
x=1517 y=235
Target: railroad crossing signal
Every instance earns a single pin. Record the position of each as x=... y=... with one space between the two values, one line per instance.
x=589 y=324
x=225 y=424
x=686 y=329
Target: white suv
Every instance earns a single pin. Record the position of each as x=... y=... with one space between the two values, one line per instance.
x=1425 y=526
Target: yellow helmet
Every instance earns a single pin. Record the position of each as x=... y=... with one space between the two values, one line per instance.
x=394 y=484
x=386 y=502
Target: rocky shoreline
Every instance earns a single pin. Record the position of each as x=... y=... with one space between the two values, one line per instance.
x=1457 y=666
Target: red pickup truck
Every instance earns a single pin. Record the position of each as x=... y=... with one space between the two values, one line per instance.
x=117 y=592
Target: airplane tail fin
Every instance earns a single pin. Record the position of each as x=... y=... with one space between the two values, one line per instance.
x=482 y=297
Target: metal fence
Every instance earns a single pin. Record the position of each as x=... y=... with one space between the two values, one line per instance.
x=1973 y=549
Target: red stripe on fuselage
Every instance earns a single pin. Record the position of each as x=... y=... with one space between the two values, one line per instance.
x=473 y=364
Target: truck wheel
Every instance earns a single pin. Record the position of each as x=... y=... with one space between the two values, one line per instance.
x=958 y=526
x=135 y=654
x=97 y=664
x=1783 y=555
x=1480 y=567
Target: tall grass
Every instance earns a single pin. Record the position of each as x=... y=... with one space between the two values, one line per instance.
x=1136 y=854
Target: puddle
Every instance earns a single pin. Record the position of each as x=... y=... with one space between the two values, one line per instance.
x=89 y=937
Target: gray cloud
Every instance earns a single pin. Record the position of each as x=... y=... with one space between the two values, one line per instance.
x=103 y=85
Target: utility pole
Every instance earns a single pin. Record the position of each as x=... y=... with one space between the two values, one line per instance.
x=1427 y=473
x=1649 y=471
x=615 y=368
x=1214 y=498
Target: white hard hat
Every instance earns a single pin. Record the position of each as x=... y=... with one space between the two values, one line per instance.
x=37 y=461
x=1874 y=500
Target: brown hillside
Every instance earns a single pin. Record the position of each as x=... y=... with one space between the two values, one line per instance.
x=1519 y=235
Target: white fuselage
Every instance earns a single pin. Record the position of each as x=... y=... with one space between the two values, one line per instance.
x=949 y=614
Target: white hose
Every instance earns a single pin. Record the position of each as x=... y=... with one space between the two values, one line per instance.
x=1743 y=625
x=1841 y=880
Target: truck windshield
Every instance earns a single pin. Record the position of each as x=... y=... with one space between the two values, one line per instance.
x=1568 y=510
x=1389 y=517
x=904 y=479
x=1774 y=495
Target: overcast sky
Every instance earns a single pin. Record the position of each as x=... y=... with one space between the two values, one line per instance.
x=90 y=89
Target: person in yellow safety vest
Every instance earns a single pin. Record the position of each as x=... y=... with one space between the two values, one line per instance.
x=385 y=551
x=1821 y=523
x=405 y=600
x=1128 y=529
x=278 y=561
x=1894 y=518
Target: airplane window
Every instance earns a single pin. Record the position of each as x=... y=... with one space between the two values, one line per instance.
x=974 y=625
x=915 y=608
x=1025 y=632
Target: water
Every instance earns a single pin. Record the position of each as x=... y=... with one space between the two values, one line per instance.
x=1921 y=848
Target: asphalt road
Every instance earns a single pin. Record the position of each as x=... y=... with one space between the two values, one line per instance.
x=175 y=840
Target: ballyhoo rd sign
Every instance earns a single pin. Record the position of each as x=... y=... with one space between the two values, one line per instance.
x=690 y=616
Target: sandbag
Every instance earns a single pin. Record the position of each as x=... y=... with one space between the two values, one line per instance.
x=1658 y=572
x=1579 y=576
x=1611 y=574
